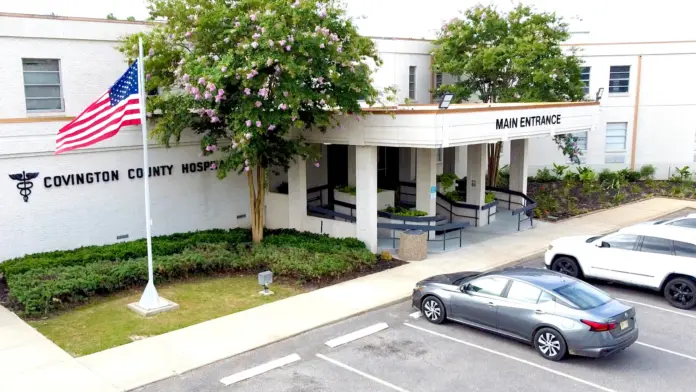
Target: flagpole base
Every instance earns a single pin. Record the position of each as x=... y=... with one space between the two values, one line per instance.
x=151 y=303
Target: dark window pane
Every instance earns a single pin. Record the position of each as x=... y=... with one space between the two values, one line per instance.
x=582 y=295
x=618 y=83
x=622 y=241
x=545 y=297
x=40 y=65
x=656 y=245
x=490 y=286
x=44 y=104
x=684 y=249
x=523 y=292
x=684 y=223
x=620 y=68
x=618 y=89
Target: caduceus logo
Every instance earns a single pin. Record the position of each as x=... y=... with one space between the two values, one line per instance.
x=25 y=183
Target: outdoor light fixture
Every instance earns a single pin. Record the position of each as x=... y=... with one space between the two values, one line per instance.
x=445 y=101
x=265 y=278
x=600 y=92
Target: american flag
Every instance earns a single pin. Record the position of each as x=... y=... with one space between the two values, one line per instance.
x=117 y=107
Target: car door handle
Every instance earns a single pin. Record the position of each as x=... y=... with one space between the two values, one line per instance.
x=491 y=304
x=539 y=311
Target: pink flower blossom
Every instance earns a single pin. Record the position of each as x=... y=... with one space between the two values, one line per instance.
x=258 y=124
x=282 y=42
x=252 y=17
x=237 y=24
x=207 y=148
x=247 y=135
x=207 y=95
x=201 y=80
x=295 y=4
x=258 y=104
x=213 y=166
x=246 y=162
x=271 y=43
x=197 y=97
x=291 y=38
x=285 y=93
x=339 y=49
x=246 y=168
x=263 y=92
x=254 y=44
x=269 y=62
x=316 y=164
x=209 y=112
x=221 y=92
x=211 y=87
x=283 y=106
x=185 y=77
x=149 y=114
x=147 y=77
x=182 y=61
x=194 y=90
x=321 y=46
x=188 y=34
x=187 y=88
x=271 y=127
x=320 y=79
x=223 y=69
x=256 y=36
x=288 y=48
x=247 y=91
x=250 y=75
x=322 y=13
x=219 y=98
x=248 y=123
x=294 y=118
x=214 y=119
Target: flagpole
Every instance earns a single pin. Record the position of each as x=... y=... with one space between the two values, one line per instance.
x=150 y=299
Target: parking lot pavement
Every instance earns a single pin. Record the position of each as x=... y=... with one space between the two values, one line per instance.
x=414 y=355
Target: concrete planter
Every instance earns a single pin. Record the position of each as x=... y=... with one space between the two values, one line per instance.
x=384 y=199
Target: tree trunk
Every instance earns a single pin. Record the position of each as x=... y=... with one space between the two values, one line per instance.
x=257 y=192
x=494 y=151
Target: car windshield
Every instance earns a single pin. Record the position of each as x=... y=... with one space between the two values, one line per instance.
x=582 y=295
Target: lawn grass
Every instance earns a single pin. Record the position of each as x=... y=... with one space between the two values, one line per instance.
x=106 y=322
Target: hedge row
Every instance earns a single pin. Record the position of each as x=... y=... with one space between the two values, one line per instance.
x=169 y=245
x=39 y=291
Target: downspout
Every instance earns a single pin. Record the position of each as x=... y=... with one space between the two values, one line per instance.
x=634 y=139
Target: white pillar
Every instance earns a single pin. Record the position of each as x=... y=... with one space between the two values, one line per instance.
x=366 y=195
x=351 y=165
x=518 y=168
x=297 y=194
x=460 y=161
x=426 y=181
x=477 y=161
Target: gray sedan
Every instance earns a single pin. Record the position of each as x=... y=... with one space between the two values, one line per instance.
x=555 y=313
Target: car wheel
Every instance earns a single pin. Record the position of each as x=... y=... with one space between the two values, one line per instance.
x=550 y=344
x=681 y=293
x=433 y=310
x=567 y=266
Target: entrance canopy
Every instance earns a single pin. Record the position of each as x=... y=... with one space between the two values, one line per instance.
x=426 y=126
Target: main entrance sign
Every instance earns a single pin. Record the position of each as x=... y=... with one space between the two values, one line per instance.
x=529 y=121
x=23 y=180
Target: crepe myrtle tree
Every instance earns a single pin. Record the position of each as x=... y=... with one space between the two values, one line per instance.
x=250 y=76
x=509 y=57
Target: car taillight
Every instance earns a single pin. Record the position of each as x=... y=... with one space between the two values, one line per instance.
x=599 y=327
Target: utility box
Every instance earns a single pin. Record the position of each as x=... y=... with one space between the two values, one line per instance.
x=413 y=245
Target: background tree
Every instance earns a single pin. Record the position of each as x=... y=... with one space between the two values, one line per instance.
x=509 y=57
x=249 y=75
x=111 y=16
x=131 y=18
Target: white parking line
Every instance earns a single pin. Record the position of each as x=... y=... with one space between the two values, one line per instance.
x=361 y=333
x=568 y=376
x=667 y=351
x=356 y=371
x=658 y=308
x=415 y=315
x=255 y=371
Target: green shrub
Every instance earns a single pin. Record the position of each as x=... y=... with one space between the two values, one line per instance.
x=544 y=175
x=490 y=197
x=161 y=246
x=447 y=181
x=647 y=172
x=585 y=174
x=681 y=174
x=606 y=175
x=454 y=196
x=503 y=177
x=629 y=175
x=352 y=190
x=315 y=259
x=559 y=170
x=398 y=210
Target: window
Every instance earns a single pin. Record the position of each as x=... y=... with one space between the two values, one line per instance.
x=582 y=295
x=622 y=241
x=42 y=89
x=585 y=78
x=488 y=286
x=619 y=77
x=684 y=223
x=545 y=297
x=657 y=245
x=439 y=154
x=412 y=82
x=438 y=83
x=523 y=292
x=581 y=141
x=616 y=136
x=684 y=249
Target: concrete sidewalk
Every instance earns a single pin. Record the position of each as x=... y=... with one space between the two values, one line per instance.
x=36 y=364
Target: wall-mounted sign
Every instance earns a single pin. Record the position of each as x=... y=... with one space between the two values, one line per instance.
x=24 y=183
x=531 y=121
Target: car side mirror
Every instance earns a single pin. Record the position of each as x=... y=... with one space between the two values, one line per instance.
x=465 y=287
x=602 y=244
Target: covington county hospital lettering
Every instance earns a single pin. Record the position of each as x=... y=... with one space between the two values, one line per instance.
x=531 y=121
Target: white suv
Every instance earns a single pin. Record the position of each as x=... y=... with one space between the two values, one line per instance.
x=683 y=221
x=661 y=257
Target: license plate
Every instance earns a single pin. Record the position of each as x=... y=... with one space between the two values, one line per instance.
x=624 y=324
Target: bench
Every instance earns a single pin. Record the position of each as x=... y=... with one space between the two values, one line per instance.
x=449 y=227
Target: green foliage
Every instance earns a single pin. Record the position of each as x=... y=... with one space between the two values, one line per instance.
x=629 y=175
x=454 y=196
x=559 y=170
x=547 y=202
x=398 y=210
x=681 y=174
x=503 y=177
x=647 y=172
x=352 y=190
x=447 y=181
x=385 y=256
x=605 y=176
x=303 y=256
x=161 y=246
x=490 y=197
x=585 y=174
x=571 y=177
x=544 y=175
x=131 y=18
x=111 y=16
